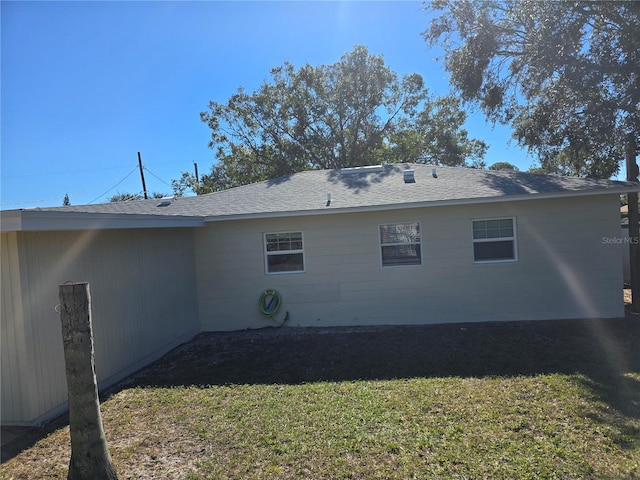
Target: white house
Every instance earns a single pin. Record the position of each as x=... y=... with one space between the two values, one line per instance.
x=397 y=244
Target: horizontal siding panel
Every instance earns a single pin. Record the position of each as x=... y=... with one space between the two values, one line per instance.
x=558 y=241
x=355 y=250
x=344 y=266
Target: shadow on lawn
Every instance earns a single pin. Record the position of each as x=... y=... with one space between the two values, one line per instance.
x=604 y=352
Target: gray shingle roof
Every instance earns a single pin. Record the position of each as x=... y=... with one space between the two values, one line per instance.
x=365 y=188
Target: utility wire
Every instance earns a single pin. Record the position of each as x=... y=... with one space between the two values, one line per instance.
x=86 y=170
x=52 y=174
x=157 y=177
x=123 y=179
x=89 y=189
x=57 y=197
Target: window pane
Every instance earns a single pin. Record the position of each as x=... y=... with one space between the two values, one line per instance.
x=279 y=252
x=387 y=233
x=271 y=239
x=506 y=228
x=493 y=231
x=401 y=255
x=501 y=250
x=400 y=233
x=283 y=242
x=400 y=244
x=291 y=262
x=283 y=245
x=479 y=230
x=492 y=224
x=493 y=228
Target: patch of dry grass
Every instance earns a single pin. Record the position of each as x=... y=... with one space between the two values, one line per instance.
x=145 y=439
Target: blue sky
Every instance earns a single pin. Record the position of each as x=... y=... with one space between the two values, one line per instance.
x=87 y=85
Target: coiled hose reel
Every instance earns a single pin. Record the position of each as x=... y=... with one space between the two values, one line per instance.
x=269 y=303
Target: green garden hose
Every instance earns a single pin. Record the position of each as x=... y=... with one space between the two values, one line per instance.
x=269 y=304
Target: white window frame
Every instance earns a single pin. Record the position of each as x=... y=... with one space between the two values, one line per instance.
x=419 y=243
x=268 y=253
x=513 y=238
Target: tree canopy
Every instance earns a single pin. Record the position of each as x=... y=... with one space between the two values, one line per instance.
x=563 y=74
x=350 y=113
x=128 y=197
x=503 y=166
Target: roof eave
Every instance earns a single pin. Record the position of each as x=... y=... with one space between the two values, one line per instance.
x=426 y=204
x=34 y=220
x=10 y=221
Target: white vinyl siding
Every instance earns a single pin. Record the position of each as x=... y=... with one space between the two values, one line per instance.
x=563 y=268
x=494 y=240
x=284 y=252
x=143 y=301
x=400 y=244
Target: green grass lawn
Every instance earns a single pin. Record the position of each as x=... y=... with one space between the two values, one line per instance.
x=515 y=400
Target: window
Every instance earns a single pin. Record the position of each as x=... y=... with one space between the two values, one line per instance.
x=400 y=244
x=284 y=252
x=494 y=240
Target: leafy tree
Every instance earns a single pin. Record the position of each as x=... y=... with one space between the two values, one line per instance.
x=350 y=113
x=436 y=135
x=538 y=171
x=66 y=202
x=503 y=166
x=564 y=74
x=127 y=197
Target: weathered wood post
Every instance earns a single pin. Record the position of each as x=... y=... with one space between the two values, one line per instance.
x=634 y=220
x=90 y=457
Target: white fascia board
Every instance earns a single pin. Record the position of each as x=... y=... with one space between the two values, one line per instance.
x=429 y=204
x=33 y=220
x=10 y=221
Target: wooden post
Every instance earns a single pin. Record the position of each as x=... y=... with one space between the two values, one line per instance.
x=90 y=457
x=634 y=224
x=144 y=185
